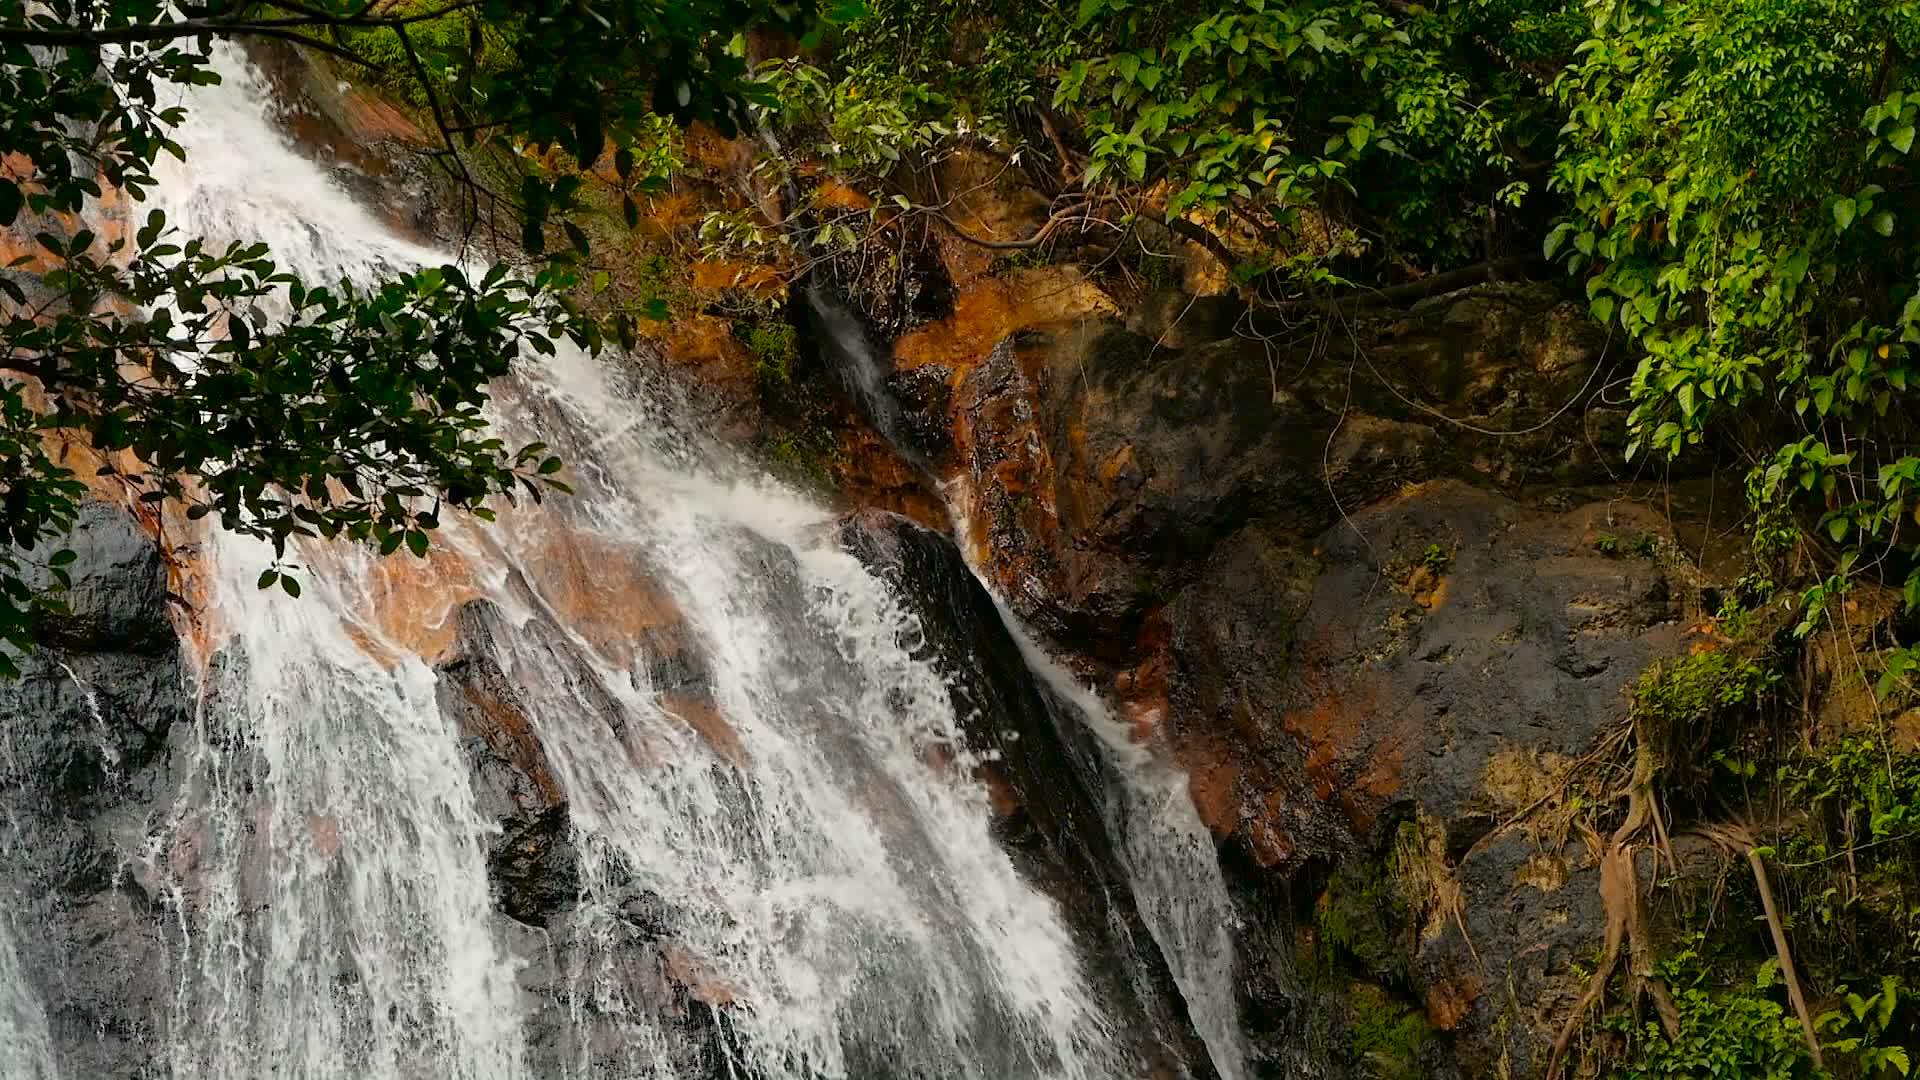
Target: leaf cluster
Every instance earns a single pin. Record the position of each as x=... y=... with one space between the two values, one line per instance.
x=215 y=379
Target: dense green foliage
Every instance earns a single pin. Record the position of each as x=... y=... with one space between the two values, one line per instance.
x=1736 y=1032
x=1728 y=181
x=1739 y=202
x=1252 y=120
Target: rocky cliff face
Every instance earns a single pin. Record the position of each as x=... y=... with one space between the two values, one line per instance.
x=1365 y=574
x=93 y=732
x=1368 y=578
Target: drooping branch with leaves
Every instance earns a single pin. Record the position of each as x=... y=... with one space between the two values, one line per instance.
x=357 y=410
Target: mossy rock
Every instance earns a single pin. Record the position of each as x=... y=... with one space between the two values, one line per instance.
x=1362 y=923
x=1386 y=1034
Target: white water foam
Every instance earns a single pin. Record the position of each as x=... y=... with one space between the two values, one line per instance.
x=328 y=856
x=1171 y=860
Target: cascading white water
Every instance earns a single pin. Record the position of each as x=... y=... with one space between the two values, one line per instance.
x=328 y=856
x=1171 y=864
x=1169 y=855
x=26 y=1051
x=26 y=1048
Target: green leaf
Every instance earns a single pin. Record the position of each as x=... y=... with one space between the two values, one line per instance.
x=1795 y=270
x=1883 y=223
x=267 y=578
x=1557 y=238
x=1901 y=138
x=290 y=586
x=10 y=202
x=1603 y=308
x=417 y=543
x=1843 y=214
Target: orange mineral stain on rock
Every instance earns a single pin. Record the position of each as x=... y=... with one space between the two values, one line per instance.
x=707 y=345
x=1449 y=1001
x=500 y=722
x=762 y=280
x=606 y=593
x=869 y=472
x=414 y=600
x=986 y=312
x=704 y=717
x=696 y=977
x=838 y=195
x=715 y=151
x=1352 y=764
x=1213 y=782
x=1002 y=799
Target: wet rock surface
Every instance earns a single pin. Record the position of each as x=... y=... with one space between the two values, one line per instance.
x=1047 y=780
x=590 y=956
x=531 y=862
x=1393 y=662
x=85 y=774
x=1318 y=561
x=1107 y=464
x=1392 y=693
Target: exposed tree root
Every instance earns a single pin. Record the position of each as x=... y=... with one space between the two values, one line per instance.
x=1737 y=839
x=1620 y=893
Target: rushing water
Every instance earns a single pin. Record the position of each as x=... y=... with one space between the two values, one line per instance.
x=1167 y=852
x=838 y=903
x=26 y=1050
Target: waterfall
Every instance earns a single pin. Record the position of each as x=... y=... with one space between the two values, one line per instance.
x=26 y=1051
x=1168 y=853
x=1170 y=860
x=860 y=368
x=675 y=690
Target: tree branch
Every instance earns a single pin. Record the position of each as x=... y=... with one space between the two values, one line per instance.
x=1362 y=299
x=308 y=19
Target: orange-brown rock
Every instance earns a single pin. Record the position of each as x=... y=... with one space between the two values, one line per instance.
x=1449 y=1002
x=412 y=601
x=707 y=345
x=832 y=194
x=1213 y=783
x=869 y=472
x=760 y=280
x=696 y=977
x=717 y=152
x=986 y=198
x=605 y=592
x=986 y=312
x=699 y=712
